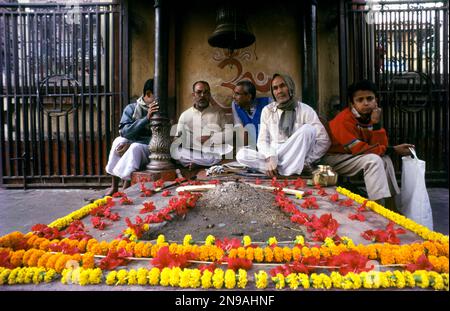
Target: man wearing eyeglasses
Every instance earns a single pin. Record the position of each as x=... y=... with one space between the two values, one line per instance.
x=201 y=138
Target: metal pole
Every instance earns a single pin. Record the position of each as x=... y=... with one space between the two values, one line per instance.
x=160 y=125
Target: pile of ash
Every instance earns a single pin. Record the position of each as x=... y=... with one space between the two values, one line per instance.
x=232 y=209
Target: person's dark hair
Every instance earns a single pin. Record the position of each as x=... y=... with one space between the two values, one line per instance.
x=249 y=87
x=363 y=85
x=201 y=81
x=148 y=86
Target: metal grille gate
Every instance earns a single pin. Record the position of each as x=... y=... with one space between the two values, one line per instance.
x=61 y=91
x=403 y=47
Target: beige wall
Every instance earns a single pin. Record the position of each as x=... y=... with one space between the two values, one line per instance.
x=328 y=54
x=277 y=49
x=142 y=45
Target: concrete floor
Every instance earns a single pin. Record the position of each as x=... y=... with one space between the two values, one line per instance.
x=20 y=210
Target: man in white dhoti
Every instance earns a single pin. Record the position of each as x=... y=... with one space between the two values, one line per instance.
x=201 y=138
x=291 y=136
x=357 y=130
x=129 y=151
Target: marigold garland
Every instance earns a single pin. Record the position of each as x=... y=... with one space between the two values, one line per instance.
x=401 y=220
x=41 y=265
x=63 y=222
x=33 y=275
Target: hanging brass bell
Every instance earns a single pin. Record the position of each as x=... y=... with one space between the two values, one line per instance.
x=232 y=30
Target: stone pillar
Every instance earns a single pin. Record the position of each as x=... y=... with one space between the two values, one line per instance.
x=160 y=124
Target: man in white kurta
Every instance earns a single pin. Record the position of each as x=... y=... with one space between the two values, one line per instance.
x=202 y=135
x=291 y=135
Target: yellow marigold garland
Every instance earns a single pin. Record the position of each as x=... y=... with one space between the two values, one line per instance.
x=401 y=220
x=63 y=222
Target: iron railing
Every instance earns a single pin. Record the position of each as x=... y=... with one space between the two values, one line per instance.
x=403 y=47
x=61 y=91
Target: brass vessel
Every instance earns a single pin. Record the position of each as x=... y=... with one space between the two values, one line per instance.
x=324 y=176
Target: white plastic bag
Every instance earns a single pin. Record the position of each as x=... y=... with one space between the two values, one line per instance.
x=415 y=203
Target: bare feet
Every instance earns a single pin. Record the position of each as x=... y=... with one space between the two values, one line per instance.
x=111 y=191
x=126 y=184
x=192 y=166
x=114 y=186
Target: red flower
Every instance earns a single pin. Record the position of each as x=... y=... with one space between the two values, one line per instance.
x=179 y=180
x=165 y=193
x=145 y=191
x=322 y=227
x=164 y=258
x=275 y=183
x=211 y=267
x=46 y=232
x=362 y=207
x=389 y=235
x=347 y=203
x=118 y=194
x=64 y=248
x=97 y=223
x=300 y=218
x=322 y=192
x=357 y=216
x=158 y=184
x=4 y=259
x=334 y=197
x=115 y=259
x=310 y=203
x=227 y=244
x=75 y=226
x=299 y=183
x=350 y=261
x=125 y=201
x=148 y=207
x=307 y=193
x=422 y=263
x=239 y=263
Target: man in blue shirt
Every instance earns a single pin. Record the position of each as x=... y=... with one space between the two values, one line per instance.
x=247 y=111
x=129 y=151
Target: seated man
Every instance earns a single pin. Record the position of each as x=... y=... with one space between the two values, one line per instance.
x=201 y=132
x=129 y=151
x=247 y=111
x=291 y=136
x=357 y=130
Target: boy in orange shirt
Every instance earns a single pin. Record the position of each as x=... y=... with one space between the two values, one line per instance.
x=357 y=130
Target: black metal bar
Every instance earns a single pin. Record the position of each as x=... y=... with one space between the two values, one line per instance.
x=107 y=113
x=124 y=55
x=67 y=144
x=40 y=111
x=83 y=98
x=309 y=52
x=25 y=99
x=17 y=108
x=161 y=55
x=2 y=115
x=99 y=98
x=343 y=57
x=91 y=97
